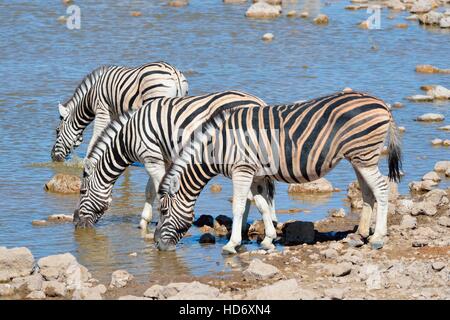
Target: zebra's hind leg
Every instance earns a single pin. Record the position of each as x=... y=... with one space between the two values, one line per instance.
x=242 y=181
x=368 y=207
x=377 y=184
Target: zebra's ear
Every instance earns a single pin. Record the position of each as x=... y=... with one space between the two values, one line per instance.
x=174 y=185
x=88 y=166
x=63 y=111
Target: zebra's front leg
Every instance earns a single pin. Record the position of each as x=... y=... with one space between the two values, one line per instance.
x=101 y=121
x=242 y=180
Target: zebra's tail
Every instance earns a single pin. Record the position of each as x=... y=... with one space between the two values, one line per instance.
x=394 y=152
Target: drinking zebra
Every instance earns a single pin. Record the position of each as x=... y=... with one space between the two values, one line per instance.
x=153 y=135
x=108 y=92
x=289 y=143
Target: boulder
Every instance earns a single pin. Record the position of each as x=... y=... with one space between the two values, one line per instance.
x=424 y=208
x=120 y=278
x=432 y=175
x=36 y=295
x=321 y=185
x=430 y=18
x=298 y=232
x=437 y=198
x=28 y=284
x=204 y=220
x=256 y=228
x=86 y=293
x=54 y=288
x=404 y=206
x=6 y=290
x=339 y=270
x=431 y=117
x=207 y=238
x=263 y=10
x=154 y=292
x=15 y=262
x=420 y=98
x=63 y=183
x=444 y=221
x=445 y=22
x=439 y=92
x=258 y=270
x=281 y=290
x=422 y=186
x=55 y=267
x=442 y=166
x=395 y=5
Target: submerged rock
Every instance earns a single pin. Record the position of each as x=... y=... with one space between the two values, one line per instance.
x=268 y=36
x=178 y=3
x=207 y=238
x=215 y=188
x=63 y=183
x=223 y=220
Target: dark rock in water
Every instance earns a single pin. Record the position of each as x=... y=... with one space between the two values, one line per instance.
x=204 y=220
x=244 y=233
x=298 y=232
x=225 y=221
x=207 y=238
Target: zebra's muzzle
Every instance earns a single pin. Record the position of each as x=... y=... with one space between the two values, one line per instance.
x=57 y=157
x=81 y=221
x=165 y=245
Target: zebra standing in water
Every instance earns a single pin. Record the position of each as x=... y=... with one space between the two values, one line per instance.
x=153 y=136
x=106 y=93
x=289 y=143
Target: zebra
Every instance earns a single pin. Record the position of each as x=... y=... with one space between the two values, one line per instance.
x=108 y=92
x=288 y=143
x=150 y=136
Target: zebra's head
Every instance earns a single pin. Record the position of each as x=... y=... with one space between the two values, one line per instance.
x=67 y=137
x=94 y=201
x=174 y=219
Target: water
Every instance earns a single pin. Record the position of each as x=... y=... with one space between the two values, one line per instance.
x=218 y=49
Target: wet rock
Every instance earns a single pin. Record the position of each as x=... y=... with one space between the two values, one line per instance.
x=436 y=142
x=304 y=14
x=339 y=270
x=401 y=25
x=321 y=19
x=196 y=291
x=262 y=10
x=427 y=68
x=321 y=185
x=412 y=17
x=256 y=228
x=149 y=237
x=430 y=18
x=291 y=14
x=445 y=128
x=337 y=213
x=420 y=98
x=224 y=221
x=178 y=3
x=364 y=25
x=298 y=232
x=432 y=175
x=136 y=13
x=442 y=166
x=439 y=92
x=207 y=238
x=63 y=183
x=398 y=105
x=421 y=6
x=220 y=230
x=404 y=206
x=216 y=188
x=422 y=186
x=258 y=270
x=423 y=208
x=54 y=288
x=438 y=265
x=120 y=278
x=446 y=143
x=444 y=221
x=60 y=218
x=39 y=223
x=408 y=222
x=15 y=262
x=28 y=284
x=280 y=290
x=431 y=117
x=6 y=290
x=36 y=295
x=204 y=220
x=268 y=36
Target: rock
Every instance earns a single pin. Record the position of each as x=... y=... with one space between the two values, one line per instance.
x=337 y=213
x=437 y=198
x=432 y=175
x=87 y=293
x=364 y=25
x=423 y=208
x=447 y=173
x=421 y=186
x=442 y=166
x=54 y=288
x=347 y=90
x=291 y=14
x=62 y=19
x=329 y=253
x=257 y=228
x=446 y=143
x=120 y=278
x=136 y=13
x=445 y=22
x=131 y=297
x=59 y=267
x=408 y=222
x=395 y=5
x=401 y=129
x=206 y=229
x=36 y=295
x=215 y=188
x=412 y=17
x=398 y=105
x=421 y=6
x=439 y=92
x=178 y=3
x=39 y=223
x=281 y=290
x=335 y=293
x=430 y=18
x=63 y=183
x=356 y=7
x=263 y=10
x=404 y=206
x=268 y=37
x=321 y=185
x=154 y=292
x=6 y=290
x=373 y=276
x=258 y=270
x=431 y=117
x=444 y=221
x=28 y=284
x=15 y=262
x=340 y=270
x=234 y=1
x=133 y=254
x=436 y=142
x=196 y=291
x=204 y=220
x=304 y=14
x=445 y=128
x=298 y=232
x=401 y=25
x=149 y=237
x=420 y=98
x=321 y=19
x=60 y=218
x=207 y=238
x=438 y=265
x=224 y=221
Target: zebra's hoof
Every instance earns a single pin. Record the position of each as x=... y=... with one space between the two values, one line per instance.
x=267 y=244
x=228 y=250
x=376 y=243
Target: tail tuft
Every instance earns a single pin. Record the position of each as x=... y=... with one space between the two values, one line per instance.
x=394 y=153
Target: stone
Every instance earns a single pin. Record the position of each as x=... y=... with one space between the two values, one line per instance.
x=442 y=166
x=438 y=265
x=154 y=292
x=445 y=128
x=86 y=293
x=337 y=213
x=204 y=220
x=423 y=208
x=408 y=222
x=420 y=98
x=29 y=283
x=55 y=267
x=335 y=293
x=15 y=262
x=446 y=143
x=207 y=238
x=439 y=92
x=430 y=18
x=280 y=290
x=136 y=13
x=234 y=1
x=395 y=5
x=421 y=186
x=321 y=185
x=268 y=36
x=431 y=117
x=63 y=183
x=372 y=275
x=224 y=221
x=401 y=25
x=432 y=175
x=263 y=10
x=220 y=230
x=437 y=197
x=398 y=105
x=6 y=290
x=120 y=278
x=447 y=173
x=258 y=270
x=412 y=17
x=206 y=229
x=39 y=223
x=298 y=232
x=304 y=14
x=340 y=270
x=257 y=228
x=131 y=297
x=445 y=22
x=321 y=19
x=196 y=291
x=404 y=206
x=329 y=253
x=54 y=288
x=291 y=14
x=436 y=142
x=215 y=188
x=178 y=3
x=444 y=221
x=60 y=218
x=421 y=6
x=364 y=25
x=36 y=295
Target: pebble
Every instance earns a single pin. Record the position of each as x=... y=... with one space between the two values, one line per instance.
x=120 y=278
x=321 y=19
x=438 y=265
x=268 y=37
x=215 y=188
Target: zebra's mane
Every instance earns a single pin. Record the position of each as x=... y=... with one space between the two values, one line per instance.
x=84 y=86
x=106 y=138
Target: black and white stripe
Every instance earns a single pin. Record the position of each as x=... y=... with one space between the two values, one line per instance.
x=108 y=92
x=289 y=143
